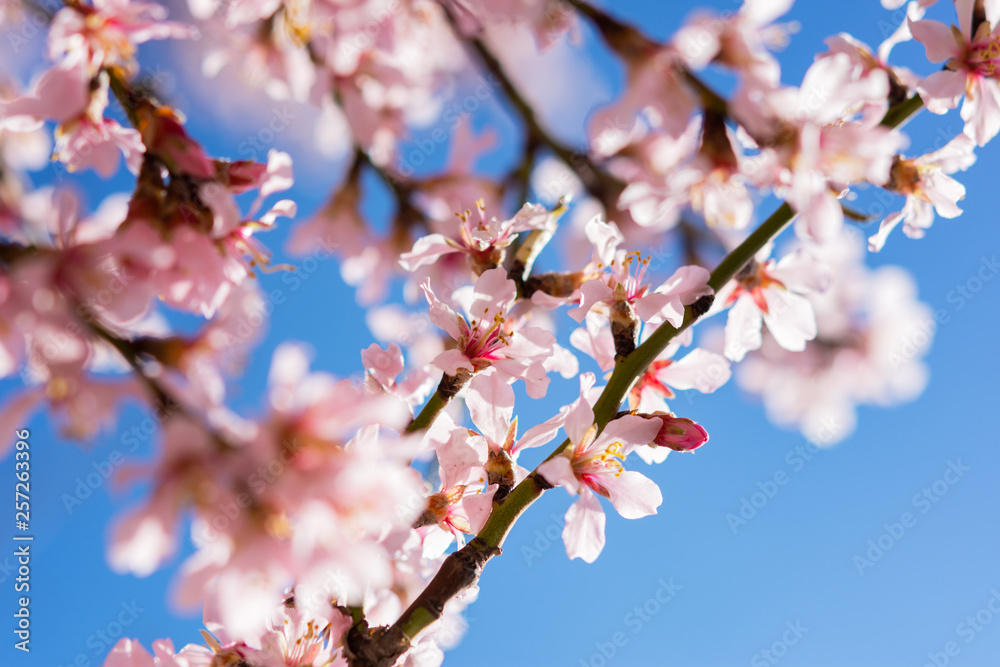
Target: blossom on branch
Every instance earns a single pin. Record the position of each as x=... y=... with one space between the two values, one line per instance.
x=772 y=293
x=971 y=54
x=928 y=188
x=593 y=465
x=487 y=337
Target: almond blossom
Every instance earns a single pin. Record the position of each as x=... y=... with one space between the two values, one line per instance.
x=872 y=335
x=623 y=287
x=772 y=293
x=738 y=41
x=384 y=368
x=928 y=188
x=814 y=146
x=699 y=369
x=465 y=497
x=340 y=517
x=969 y=53
x=483 y=242
x=84 y=137
x=703 y=168
x=292 y=638
x=619 y=284
x=593 y=465
x=485 y=337
x=104 y=34
x=490 y=401
x=657 y=95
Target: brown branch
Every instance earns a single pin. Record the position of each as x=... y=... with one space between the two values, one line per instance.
x=602 y=185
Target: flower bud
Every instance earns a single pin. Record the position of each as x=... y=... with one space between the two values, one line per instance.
x=678 y=433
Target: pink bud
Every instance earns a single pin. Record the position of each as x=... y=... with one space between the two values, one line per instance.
x=679 y=433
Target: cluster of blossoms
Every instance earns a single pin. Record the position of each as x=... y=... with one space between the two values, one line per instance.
x=336 y=509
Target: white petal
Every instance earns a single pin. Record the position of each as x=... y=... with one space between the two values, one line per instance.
x=583 y=533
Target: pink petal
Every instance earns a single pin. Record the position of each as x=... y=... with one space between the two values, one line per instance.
x=578 y=421
x=583 y=533
x=425 y=251
x=633 y=494
x=762 y=12
x=440 y=314
x=656 y=307
x=605 y=237
x=596 y=340
x=493 y=291
x=944 y=192
x=942 y=90
x=821 y=219
x=937 y=38
x=743 y=328
x=981 y=111
x=700 y=369
x=631 y=430
x=279 y=176
x=790 y=319
x=451 y=360
x=688 y=283
x=477 y=507
x=142 y=541
x=877 y=240
x=541 y=434
x=129 y=653
x=592 y=292
x=61 y=94
x=802 y=272
x=491 y=404
x=558 y=471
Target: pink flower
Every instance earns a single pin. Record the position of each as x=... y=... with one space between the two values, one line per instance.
x=595 y=339
x=593 y=465
x=383 y=368
x=699 y=369
x=61 y=94
x=872 y=336
x=490 y=400
x=773 y=294
x=105 y=34
x=84 y=137
x=622 y=286
x=620 y=282
x=971 y=54
x=483 y=241
x=292 y=637
x=656 y=95
x=465 y=498
x=322 y=407
x=739 y=41
x=928 y=188
x=703 y=168
x=486 y=338
x=98 y=144
x=814 y=147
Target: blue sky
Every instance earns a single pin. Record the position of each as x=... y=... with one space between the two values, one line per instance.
x=683 y=588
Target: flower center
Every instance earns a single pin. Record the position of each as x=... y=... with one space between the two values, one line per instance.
x=479 y=342
x=753 y=279
x=983 y=57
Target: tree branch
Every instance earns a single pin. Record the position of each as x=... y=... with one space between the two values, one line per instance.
x=453 y=577
x=598 y=182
